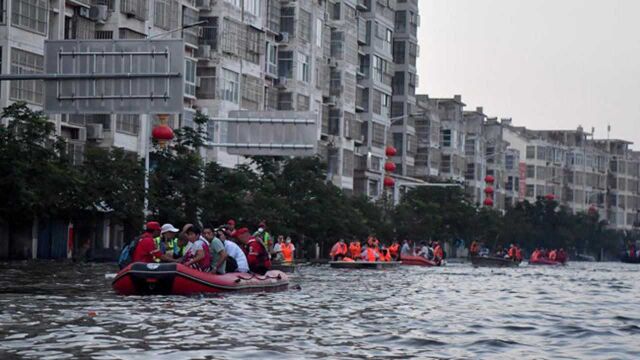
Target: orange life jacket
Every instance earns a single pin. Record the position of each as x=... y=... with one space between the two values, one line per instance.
x=535 y=255
x=355 y=249
x=287 y=252
x=474 y=248
x=338 y=249
x=518 y=254
x=393 y=249
x=370 y=256
x=553 y=255
x=438 y=252
x=512 y=252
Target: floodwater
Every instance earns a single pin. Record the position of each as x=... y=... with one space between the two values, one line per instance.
x=54 y=310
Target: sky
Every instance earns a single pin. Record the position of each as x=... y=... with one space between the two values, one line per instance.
x=547 y=64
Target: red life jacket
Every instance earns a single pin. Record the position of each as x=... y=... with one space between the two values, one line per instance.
x=370 y=256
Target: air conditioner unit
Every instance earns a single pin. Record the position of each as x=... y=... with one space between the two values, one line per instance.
x=99 y=13
x=83 y=12
x=333 y=100
x=203 y=52
x=282 y=82
x=283 y=37
x=95 y=132
x=82 y=134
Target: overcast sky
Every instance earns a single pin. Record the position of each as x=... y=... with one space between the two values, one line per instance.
x=548 y=64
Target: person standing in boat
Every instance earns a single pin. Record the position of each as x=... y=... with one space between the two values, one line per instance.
x=236 y=259
x=197 y=254
x=264 y=236
x=146 y=250
x=216 y=248
x=394 y=250
x=257 y=255
x=276 y=251
x=438 y=252
x=287 y=250
x=406 y=249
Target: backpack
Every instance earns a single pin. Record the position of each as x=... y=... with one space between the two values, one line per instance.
x=126 y=255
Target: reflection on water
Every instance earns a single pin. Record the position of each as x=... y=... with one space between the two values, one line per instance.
x=585 y=310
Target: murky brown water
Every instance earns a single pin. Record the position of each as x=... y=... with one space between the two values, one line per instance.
x=585 y=310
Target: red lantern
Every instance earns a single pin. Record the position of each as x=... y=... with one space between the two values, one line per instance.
x=488 y=190
x=593 y=210
x=550 y=197
x=489 y=179
x=391 y=151
x=488 y=202
x=389 y=182
x=162 y=133
x=390 y=167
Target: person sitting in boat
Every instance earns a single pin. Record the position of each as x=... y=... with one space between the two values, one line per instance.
x=562 y=256
x=236 y=259
x=216 y=249
x=167 y=242
x=406 y=249
x=338 y=251
x=425 y=251
x=355 y=249
x=553 y=255
x=288 y=250
x=385 y=255
x=535 y=255
x=257 y=255
x=276 y=251
x=197 y=255
x=512 y=252
x=146 y=250
x=474 y=248
x=394 y=250
x=370 y=252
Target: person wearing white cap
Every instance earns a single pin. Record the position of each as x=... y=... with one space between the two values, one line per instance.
x=167 y=242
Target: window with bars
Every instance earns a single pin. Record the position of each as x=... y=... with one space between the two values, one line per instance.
x=233 y=37
x=190 y=16
x=273 y=15
x=125 y=33
x=304 y=26
x=347 y=163
x=377 y=102
x=287 y=20
x=337 y=44
x=251 y=92
x=24 y=62
x=285 y=101
x=135 y=8
x=445 y=164
x=398 y=83
x=254 y=46
x=207 y=88
x=270 y=98
x=30 y=14
x=162 y=13
x=401 y=21
x=377 y=138
x=252 y=7
x=104 y=34
x=285 y=64
x=303 y=102
x=398 y=52
x=128 y=123
x=209 y=32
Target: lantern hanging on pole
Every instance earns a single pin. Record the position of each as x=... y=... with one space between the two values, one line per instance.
x=488 y=190
x=391 y=151
x=390 y=167
x=488 y=202
x=388 y=181
x=550 y=197
x=489 y=179
x=162 y=133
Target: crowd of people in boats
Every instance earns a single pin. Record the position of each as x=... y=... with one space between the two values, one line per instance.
x=222 y=249
x=514 y=252
x=374 y=250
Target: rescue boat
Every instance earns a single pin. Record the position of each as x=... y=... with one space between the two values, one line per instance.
x=417 y=261
x=493 y=261
x=375 y=265
x=178 y=279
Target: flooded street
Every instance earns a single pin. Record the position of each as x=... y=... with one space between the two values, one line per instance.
x=585 y=310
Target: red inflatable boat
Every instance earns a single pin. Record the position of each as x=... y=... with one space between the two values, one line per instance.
x=177 y=279
x=543 y=261
x=417 y=261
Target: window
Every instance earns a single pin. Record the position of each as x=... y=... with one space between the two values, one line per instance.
x=30 y=14
x=398 y=142
x=385 y=101
x=509 y=185
x=287 y=20
x=304 y=27
x=302 y=103
x=162 y=12
x=190 y=77
x=337 y=44
x=23 y=62
x=271 y=63
x=445 y=137
x=379 y=68
x=124 y=33
x=285 y=64
x=273 y=15
x=235 y=3
x=540 y=190
x=137 y=8
x=529 y=192
x=470 y=173
x=229 y=86
x=254 y=45
x=509 y=162
x=401 y=21
x=232 y=37
x=285 y=101
x=470 y=147
x=304 y=68
x=128 y=123
x=373 y=186
x=378 y=134
x=252 y=7
x=270 y=98
x=209 y=34
x=541 y=151
x=531 y=152
x=531 y=171
x=251 y=92
x=318 y=33
x=207 y=88
x=398 y=84
x=399 y=52
x=445 y=164
x=377 y=102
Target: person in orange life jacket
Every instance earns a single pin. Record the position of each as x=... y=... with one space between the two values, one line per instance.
x=438 y=252
x=338 y=251
x=257 y=255
x=355 y=249
x=535 y=255
x=562 y=256
x=146 y=250
x=518 y=253
x=553 y=255
x=288 y=249
x=385 y=255
x=370 y=253
x=512 y=252
x=197 y=254
x=394 y=250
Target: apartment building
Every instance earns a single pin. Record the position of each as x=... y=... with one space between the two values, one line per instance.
x=427 y=125
x=476 y=154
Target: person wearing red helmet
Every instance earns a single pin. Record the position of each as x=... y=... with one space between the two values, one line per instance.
x=257 y=255
x=146 y=250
